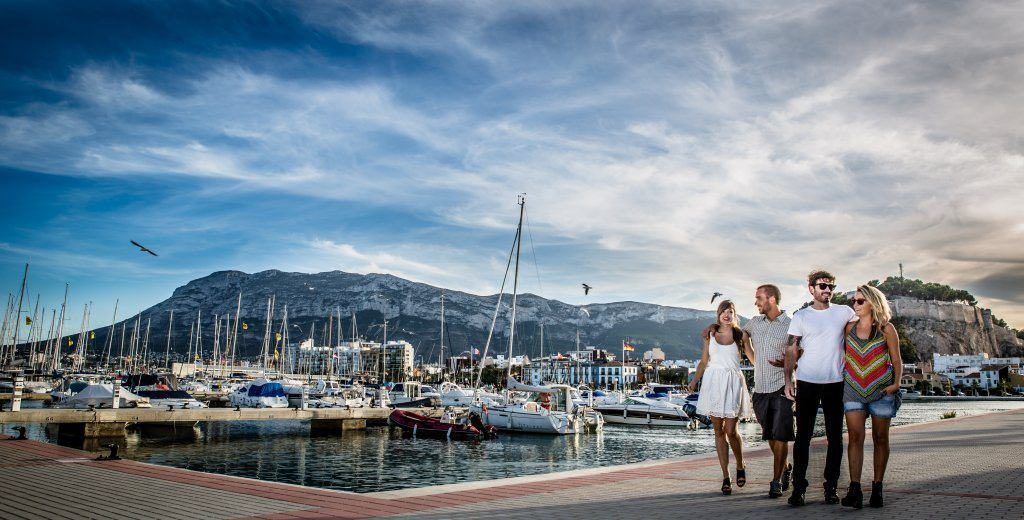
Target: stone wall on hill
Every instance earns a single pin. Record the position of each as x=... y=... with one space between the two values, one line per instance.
x=954 y=328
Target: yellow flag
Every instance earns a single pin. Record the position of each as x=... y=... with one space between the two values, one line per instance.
x=275 y=355
x=70 y=342
x=92 y=335
x=278 y=335
x=28 y=321
x=245 y=326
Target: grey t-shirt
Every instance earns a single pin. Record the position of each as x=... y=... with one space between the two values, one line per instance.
x=768 y=338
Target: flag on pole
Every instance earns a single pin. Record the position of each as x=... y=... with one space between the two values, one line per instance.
x=627 y=347
x=275 y=354
x=92 y=335
x=245 y=326
x=70 y=343
x=28 y=321
x=476 y=352
x=278 y=335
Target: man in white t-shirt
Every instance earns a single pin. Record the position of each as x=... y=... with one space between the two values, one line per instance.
x=817 y=332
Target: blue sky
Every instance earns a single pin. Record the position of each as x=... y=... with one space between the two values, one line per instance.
x=668 y=149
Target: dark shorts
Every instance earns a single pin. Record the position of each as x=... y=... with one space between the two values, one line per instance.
x=775 y=413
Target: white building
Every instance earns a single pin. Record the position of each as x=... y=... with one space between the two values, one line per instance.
x=655 y=354
x=957 y=364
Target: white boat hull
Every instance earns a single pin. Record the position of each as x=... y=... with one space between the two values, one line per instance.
x=518 y=420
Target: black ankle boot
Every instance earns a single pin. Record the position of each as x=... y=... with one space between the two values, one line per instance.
x=797 y=498
x=876 y=495
x=854 y=496
x=831 y=492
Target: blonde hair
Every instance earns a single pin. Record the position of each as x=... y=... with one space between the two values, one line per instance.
x=880 y=311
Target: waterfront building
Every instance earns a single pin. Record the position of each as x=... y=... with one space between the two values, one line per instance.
x=653 y=355
x=991 y=375
x=958 y=364
x=563 y=369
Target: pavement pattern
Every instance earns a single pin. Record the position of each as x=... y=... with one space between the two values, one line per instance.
x=970 y=467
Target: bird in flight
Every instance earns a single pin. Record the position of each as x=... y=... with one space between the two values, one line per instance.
x=716 y=295
x=143 y=248
x=586 y=289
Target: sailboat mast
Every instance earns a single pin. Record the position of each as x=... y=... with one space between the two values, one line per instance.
x=110 y=334
x=17 y=315
x=167 y=353
x=440 y=360
x=515 y=284
x=234 y=339
x=497 y=308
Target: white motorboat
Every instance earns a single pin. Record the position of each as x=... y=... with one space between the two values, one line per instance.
x=454 y=395
x=259 y=394
x=547 y=409
x=644 y=411
x=413 y=394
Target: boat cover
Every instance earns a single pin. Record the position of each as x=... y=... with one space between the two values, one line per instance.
x=267 y=390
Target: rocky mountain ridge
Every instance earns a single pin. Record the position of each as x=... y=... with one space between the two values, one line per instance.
x=413 y=311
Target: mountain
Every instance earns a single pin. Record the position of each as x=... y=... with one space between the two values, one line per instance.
x=413 y=311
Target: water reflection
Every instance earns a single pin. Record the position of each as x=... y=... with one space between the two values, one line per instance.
x=379 y=459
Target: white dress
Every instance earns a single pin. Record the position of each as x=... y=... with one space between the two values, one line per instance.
x=723 y=389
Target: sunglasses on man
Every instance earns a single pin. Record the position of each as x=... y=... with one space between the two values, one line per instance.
x=829 y=286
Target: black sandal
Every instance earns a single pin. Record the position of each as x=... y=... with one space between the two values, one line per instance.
x=741 y=477
x=726 y=487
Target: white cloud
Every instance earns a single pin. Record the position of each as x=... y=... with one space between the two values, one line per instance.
x=667 y=150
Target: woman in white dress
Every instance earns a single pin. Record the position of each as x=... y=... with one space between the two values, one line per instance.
x=723 y=393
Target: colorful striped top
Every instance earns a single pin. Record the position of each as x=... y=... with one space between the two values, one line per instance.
x=868 y=367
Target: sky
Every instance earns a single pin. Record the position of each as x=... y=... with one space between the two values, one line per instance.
x=668 y=150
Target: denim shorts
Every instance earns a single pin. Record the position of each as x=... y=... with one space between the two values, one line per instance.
x=884 y=408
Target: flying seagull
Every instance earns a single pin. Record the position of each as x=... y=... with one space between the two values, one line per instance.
x=143 y=248
x=586 y=289
x=716 y=295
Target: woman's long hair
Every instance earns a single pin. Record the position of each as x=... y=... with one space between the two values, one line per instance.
x=737 y=332
x=880 y=311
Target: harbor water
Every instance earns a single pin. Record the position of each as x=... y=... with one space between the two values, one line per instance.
x=379 y=459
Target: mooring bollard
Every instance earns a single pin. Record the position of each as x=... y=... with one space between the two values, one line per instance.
x=117 y=394
x=305 y=395
x=19 y=385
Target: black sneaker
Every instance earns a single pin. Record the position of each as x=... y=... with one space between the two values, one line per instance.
x=831 y=493
x=775 y=489
x=787 y=475
x=797 y=498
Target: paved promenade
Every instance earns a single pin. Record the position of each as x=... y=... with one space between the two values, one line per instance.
x=958 y=468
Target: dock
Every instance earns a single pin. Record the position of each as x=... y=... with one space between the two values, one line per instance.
x=110 y=423
x=955 y=468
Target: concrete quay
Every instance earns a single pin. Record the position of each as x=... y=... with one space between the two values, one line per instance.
x=108 y=422
x=969 y=467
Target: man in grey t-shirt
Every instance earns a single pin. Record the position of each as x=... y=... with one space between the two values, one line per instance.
x=768 y=334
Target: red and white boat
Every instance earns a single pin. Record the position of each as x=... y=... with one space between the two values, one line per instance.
x=461 y=428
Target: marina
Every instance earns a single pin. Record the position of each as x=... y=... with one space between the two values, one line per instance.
x=941 y=466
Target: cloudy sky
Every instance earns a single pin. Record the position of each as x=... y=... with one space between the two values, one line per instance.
x=667 y=149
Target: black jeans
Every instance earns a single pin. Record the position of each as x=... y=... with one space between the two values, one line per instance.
x=808 y=396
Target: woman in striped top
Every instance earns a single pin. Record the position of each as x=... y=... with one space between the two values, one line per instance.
x=872 y=374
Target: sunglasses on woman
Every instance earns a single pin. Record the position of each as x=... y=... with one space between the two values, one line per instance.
x=829 y=286
x=859 y=301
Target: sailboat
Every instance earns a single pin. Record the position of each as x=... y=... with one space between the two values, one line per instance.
x=548 y=409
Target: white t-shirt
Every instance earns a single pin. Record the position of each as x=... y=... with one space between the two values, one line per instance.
x=821 y=334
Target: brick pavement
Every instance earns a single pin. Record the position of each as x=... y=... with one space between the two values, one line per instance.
x=959 y=468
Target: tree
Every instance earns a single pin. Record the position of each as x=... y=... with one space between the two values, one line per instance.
x=907 y=349
x=675 y=376
x=492 y=375
x=896 y=286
